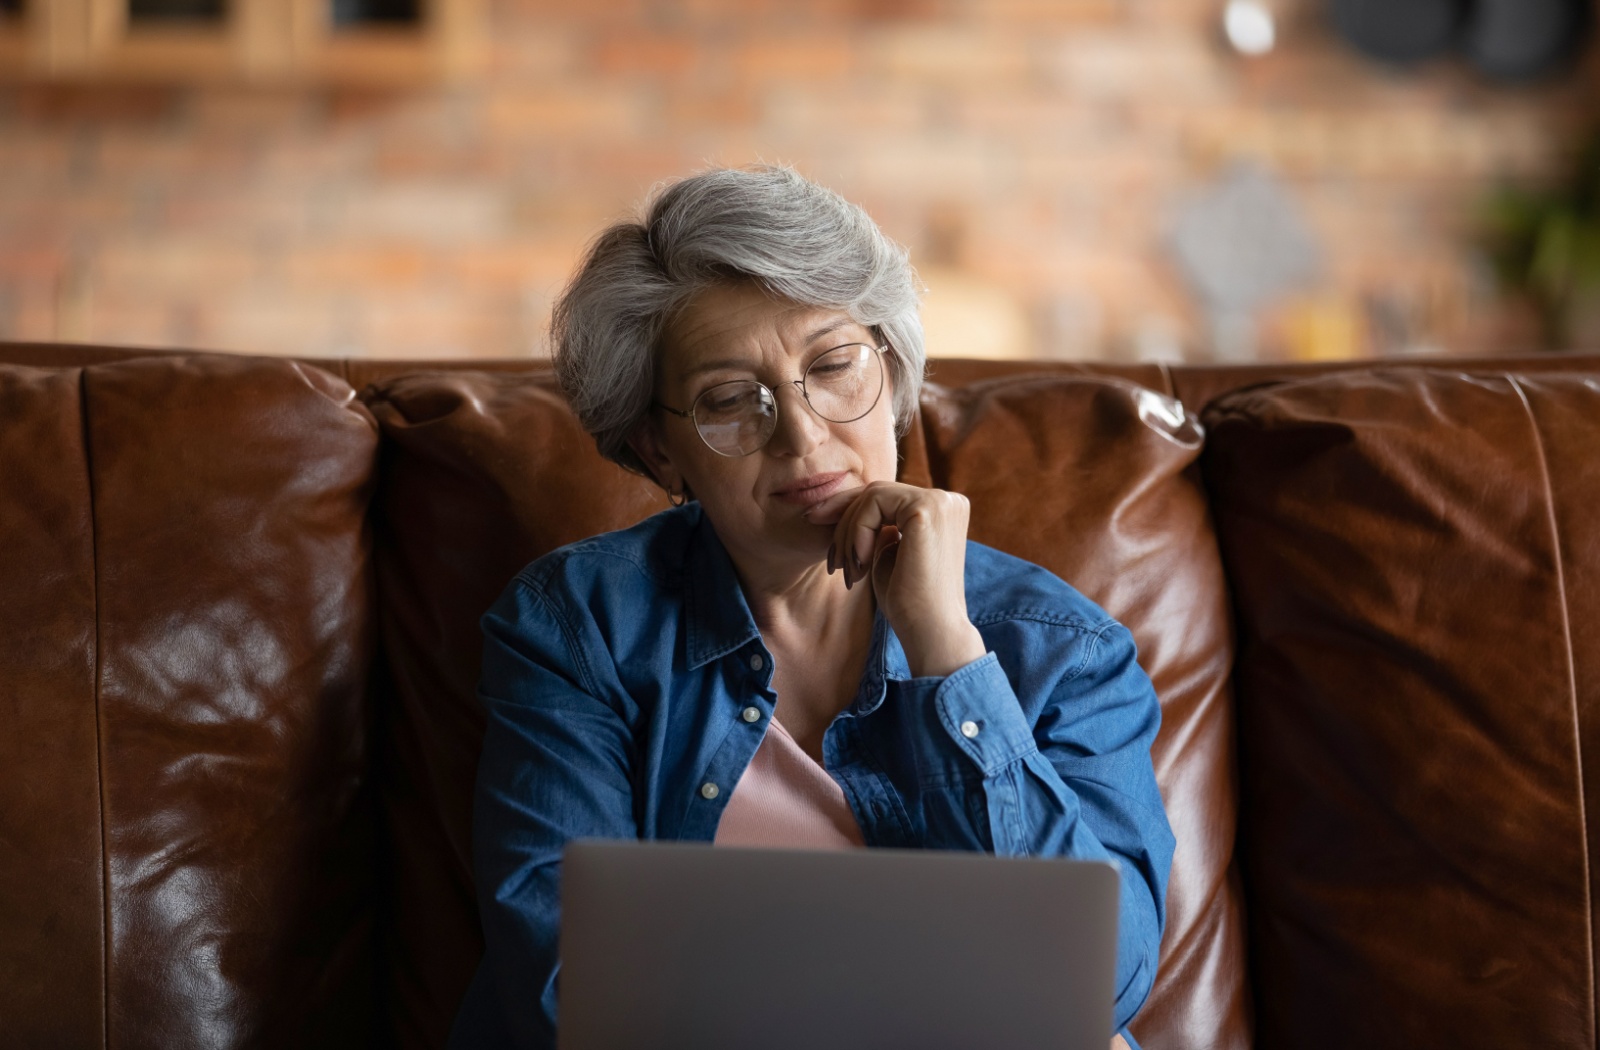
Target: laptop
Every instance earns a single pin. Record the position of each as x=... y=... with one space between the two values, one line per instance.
x=671 y=946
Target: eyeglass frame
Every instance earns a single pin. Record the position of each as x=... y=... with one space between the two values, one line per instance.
x=772 y=392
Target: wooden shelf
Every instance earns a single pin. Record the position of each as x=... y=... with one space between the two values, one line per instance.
x=291 y=41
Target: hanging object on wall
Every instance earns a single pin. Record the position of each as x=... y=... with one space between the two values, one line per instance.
x=1504 y=39
x=1399 y=32
x=1524 y=39
x=1240 y=244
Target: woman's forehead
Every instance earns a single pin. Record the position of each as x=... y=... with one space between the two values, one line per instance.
x=742 y=323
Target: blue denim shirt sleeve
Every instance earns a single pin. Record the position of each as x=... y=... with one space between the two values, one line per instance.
x=1077 y=783
x=555 y=766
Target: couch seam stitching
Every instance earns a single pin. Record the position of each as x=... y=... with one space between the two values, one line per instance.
x=1572 y=678
x=99 y=741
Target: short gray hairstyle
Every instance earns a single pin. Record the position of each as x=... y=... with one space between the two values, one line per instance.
x=769 y=225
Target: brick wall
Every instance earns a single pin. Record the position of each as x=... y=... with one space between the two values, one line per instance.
x=1030 y=152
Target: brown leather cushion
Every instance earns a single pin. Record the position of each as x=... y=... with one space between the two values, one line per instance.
x=1415 y=559
x=184 y=634
x=481 y=474
x=1087 y=476
x=51 y=903
x=1091 y=478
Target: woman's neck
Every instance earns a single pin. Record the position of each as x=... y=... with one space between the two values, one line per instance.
x=819 y=635
x=810 y=609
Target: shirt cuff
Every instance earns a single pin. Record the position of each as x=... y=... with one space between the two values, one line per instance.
x=976 y=710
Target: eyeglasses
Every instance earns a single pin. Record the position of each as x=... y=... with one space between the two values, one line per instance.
x=739 y=417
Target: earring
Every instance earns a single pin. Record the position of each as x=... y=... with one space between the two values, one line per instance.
x=678 y=498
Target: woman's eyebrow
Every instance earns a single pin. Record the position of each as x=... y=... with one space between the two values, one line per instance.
x=740 y=362
x=831 y=327
x=716 y=366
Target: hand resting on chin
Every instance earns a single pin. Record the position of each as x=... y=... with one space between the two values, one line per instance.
x=912 y=542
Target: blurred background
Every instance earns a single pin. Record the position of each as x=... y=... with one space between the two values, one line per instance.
x=1075 y=179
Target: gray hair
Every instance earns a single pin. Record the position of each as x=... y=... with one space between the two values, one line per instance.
x=769 y=225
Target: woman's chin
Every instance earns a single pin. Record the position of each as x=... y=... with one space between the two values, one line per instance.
x=801 y=543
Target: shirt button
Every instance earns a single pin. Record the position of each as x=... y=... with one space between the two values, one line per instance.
x=969 y=729
x=751 y=714
x=708 y=790
x=756 y=663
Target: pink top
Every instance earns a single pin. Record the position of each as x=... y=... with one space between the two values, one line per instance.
x=786 y=799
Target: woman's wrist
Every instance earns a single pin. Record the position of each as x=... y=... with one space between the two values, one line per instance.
x=943 y=652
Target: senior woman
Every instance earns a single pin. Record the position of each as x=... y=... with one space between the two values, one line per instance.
x=803 y=651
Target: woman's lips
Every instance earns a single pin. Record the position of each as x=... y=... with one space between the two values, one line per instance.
x=813 y=489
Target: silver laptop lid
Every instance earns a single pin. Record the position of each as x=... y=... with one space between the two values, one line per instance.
x=671 y=945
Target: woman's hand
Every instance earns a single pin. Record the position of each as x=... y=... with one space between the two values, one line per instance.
x=913 y=543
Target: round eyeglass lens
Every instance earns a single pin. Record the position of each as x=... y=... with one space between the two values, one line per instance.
x=735 y=419
x=843 y=384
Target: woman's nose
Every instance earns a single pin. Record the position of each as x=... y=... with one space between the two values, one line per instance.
x=799 y=429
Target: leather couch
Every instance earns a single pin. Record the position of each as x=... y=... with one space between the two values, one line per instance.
x=238 y=649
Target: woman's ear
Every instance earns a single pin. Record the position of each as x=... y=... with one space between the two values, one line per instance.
x=645 y=440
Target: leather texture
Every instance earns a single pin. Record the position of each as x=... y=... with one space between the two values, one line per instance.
x=188 y=856
x=52 y=871
x=1415 y=559
x=1091 y=477
x=481 y=474
x=239 y=650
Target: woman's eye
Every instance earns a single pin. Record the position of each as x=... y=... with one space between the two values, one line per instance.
x=726 y=401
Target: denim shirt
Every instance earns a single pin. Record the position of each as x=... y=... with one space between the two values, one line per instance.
x=616 y=676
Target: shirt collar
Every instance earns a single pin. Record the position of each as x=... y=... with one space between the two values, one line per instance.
x=719 y=618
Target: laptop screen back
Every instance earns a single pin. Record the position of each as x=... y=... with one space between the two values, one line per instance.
x=669 y=945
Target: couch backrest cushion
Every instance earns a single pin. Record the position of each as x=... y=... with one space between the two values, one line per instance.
x=52 y=905
x=1415 y=558
x=1088 y=476
x=1092 y=477
x=481 y=473
x=184 y=641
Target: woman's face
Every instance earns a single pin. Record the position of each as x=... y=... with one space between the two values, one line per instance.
x=737 y=331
